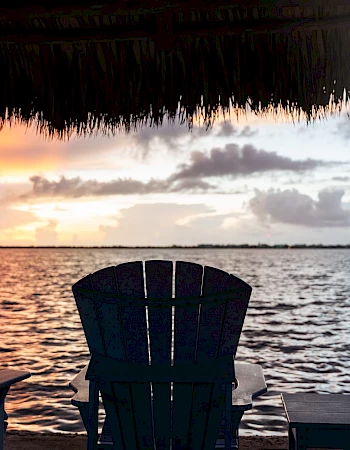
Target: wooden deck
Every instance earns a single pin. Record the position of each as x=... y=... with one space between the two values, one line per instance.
x=23 y=440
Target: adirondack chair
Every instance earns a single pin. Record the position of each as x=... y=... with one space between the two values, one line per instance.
x=164 y=365
x=8 y=377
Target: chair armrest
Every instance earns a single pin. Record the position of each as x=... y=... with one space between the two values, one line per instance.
x=81 y=388
x=250 y=378
x=79 y=381
x=250 y=384
x=9 y=377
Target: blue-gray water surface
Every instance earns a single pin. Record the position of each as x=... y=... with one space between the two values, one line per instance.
x=297 y=326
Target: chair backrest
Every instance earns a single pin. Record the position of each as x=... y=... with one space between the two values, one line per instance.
x=129 y=314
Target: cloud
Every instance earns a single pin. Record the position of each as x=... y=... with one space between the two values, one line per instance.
x=292 y=207
x=247 y=132
x=47 y=234
x=341 y=178
x=173 y=136
x=77 y=187
x=23 y=150
x=233 y=160
x=191 y=185
x=154 y=224
x=226 y=129
x=343 y=128
x=177 y=224
x=168 y=135
x=9 y=191
x=230 y=161
x=10 y=218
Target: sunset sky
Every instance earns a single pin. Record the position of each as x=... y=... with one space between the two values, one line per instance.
x=255 y=180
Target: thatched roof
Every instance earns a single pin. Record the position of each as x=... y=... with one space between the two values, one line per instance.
x=115 y=65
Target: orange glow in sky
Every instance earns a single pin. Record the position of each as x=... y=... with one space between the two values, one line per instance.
x=97 y=191
x=22 y=151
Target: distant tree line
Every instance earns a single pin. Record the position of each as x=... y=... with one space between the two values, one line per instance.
x=259 y=246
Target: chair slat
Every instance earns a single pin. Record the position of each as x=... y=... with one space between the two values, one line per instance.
x=212 y=314
x=188 y=283
x=209 y=403
x=130 y=283
x=88 y=317
x=104 y=280
x=94 y=337
x=234 y=318
x=124 y=328
x=107 y=315
x=159 y=276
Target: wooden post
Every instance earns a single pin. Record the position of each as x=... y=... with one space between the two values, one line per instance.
x=3 y=416
x=92 y=430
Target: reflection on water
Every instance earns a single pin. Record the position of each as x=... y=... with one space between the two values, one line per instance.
x=297 y=325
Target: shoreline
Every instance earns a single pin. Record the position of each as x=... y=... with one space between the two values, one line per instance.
x=27 y=440
x=184 y=247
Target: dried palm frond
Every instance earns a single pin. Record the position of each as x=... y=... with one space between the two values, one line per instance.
x=111 y=72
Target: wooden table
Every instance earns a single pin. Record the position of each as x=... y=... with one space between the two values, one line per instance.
x=318 y=420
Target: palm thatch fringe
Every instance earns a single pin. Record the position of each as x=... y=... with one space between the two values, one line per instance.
x=92 y=86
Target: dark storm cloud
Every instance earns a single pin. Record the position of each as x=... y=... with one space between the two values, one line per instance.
x=290 y=206
x=233 y=160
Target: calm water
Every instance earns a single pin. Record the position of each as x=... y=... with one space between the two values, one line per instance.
x=297 y=326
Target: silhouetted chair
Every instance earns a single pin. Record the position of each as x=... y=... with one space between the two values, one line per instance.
x=8 y=377
x=164 y=365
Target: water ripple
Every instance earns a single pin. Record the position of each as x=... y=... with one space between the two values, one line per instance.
x=297 y=326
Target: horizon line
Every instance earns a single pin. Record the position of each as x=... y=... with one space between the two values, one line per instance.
x=199 y=246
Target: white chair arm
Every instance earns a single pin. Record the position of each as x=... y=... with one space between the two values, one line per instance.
x=10 y=376
x=81 y=388
x=251 y=384
x=250 y=378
